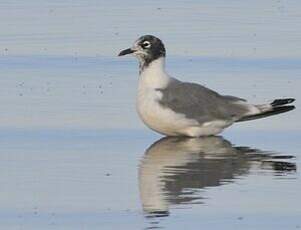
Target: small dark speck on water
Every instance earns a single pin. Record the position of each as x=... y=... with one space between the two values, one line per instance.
x=35 y=212
x=108 y=174
x=240 y=218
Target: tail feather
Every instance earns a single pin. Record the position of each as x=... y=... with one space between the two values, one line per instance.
x=276 y=107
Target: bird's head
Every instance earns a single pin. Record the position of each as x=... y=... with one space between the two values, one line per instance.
x=147 y=49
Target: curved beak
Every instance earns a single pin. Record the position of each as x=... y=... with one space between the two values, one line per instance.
x=125 y=52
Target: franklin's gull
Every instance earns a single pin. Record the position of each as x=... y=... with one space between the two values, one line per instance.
x=175 y=108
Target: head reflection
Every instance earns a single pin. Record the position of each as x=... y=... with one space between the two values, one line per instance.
x=174 y=169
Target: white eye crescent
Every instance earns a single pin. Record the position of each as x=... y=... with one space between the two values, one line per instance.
x=146 y=44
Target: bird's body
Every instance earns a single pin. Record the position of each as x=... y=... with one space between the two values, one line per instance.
x=157 y=114
x=151 y=111
x=175 y=108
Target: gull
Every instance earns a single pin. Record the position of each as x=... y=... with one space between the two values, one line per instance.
x=176 y=108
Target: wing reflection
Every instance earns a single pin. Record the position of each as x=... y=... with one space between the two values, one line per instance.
x=174 y=169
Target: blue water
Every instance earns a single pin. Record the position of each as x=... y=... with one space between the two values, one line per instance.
x=106 y=179
x=75 y=155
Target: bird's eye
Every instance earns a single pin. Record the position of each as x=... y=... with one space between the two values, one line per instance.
x=146 y=44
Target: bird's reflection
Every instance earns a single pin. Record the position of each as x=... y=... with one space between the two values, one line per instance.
x=174 y=169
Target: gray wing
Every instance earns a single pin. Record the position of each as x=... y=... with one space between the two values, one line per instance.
x=200 y=103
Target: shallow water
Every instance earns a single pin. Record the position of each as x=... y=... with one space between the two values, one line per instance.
x=88 y=179
x=73 y=152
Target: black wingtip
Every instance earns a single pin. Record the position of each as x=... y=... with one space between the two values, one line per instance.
x=276 y=110
x=284 y=101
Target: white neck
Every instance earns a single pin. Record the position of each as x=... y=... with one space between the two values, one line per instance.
x=154 y=75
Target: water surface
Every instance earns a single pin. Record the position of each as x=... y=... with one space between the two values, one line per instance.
x=73 y=152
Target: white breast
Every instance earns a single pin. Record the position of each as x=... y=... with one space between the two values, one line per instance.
x=158 y=118
x=162 y=119
x=155 y=116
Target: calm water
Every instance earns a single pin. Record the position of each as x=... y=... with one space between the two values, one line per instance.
x=73 y=152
